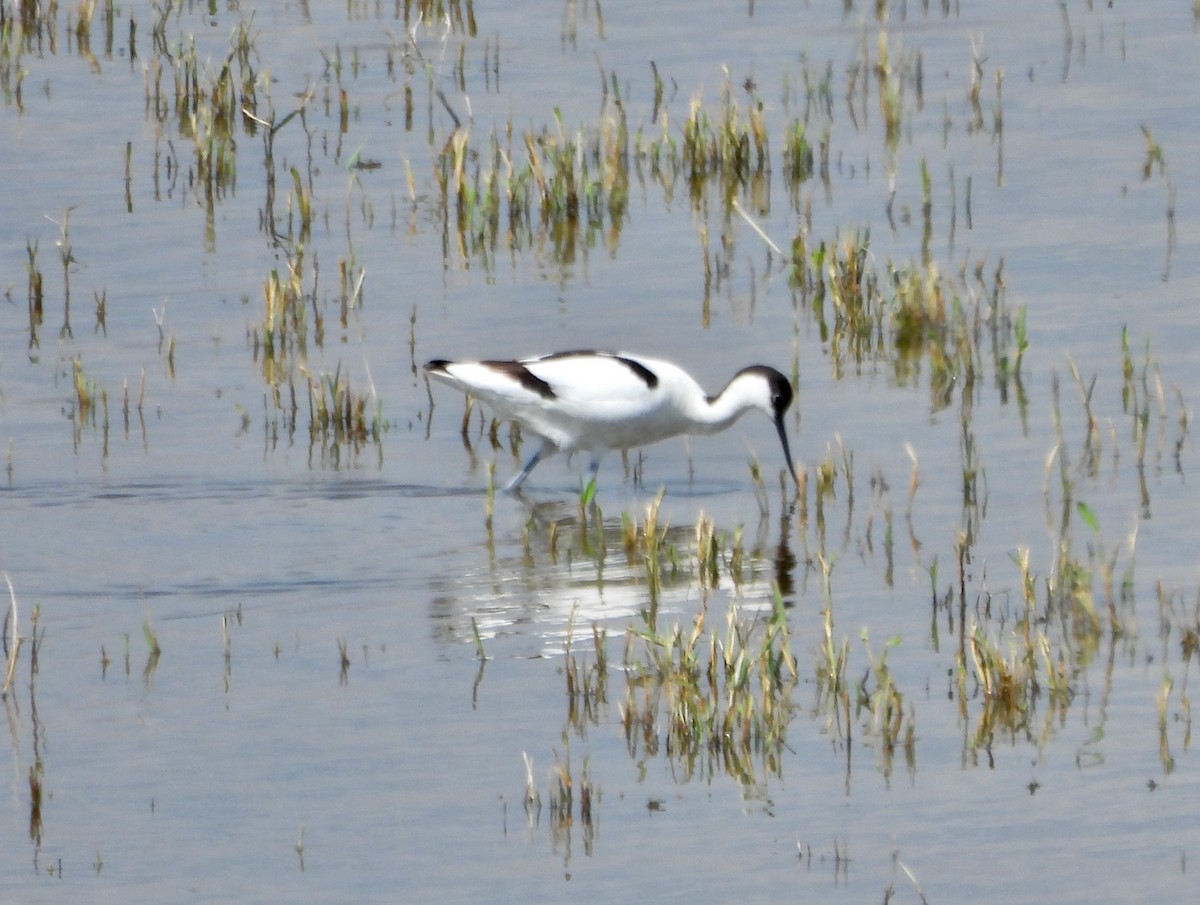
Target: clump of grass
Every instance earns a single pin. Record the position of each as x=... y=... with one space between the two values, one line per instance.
x=11 y=636
x=571 y=186
x=830 y=664
x=36 y=301
x=208 y=106
x=587 y=684
x=90 y=399
x=708 y=550
x=1176 y=616
x=797 y=159
x=341 y=418
x=568 y=187
x=564 y=788
x=479 y=651
x=1008 y=682
x=101 y=298
x=1143 y=397
x=284 y=333
x=884 y=705
x=151 y=637
x=66 y=256
x=909 y=315
x=723 y=702
x=1178 y=619
x=589 y=795
x=1061 y=625
x=343 y=661
x=87 y=392
x=562 y=794
x=153 y=647
x=873 y=705
x=730 y=146
x=1164 y=744
x=350 y=288
x=890 y=92
x=141 y=401
x=1156 y=159
x=532 y=799
x=36 y=772
x=285 y=325
x=646 y=543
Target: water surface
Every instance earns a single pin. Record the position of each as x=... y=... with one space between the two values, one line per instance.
x=250 y=762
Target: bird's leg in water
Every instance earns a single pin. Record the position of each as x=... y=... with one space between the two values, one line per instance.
x=589 y=489
x=545 y=449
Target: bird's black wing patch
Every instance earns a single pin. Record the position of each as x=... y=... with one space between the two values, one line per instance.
x=523 y=376
x=643 y=373
x=648 y=377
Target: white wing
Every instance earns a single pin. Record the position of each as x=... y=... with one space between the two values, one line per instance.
x=612 y=400
x=589 y=400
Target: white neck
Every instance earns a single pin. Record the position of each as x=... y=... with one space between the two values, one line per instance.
x=714 y=414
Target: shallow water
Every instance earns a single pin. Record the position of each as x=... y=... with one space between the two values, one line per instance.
x=250 y=762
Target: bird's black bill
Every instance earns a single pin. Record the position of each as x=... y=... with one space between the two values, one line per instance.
x=787 y=450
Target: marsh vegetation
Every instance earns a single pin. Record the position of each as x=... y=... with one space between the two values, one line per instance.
x=233 y=231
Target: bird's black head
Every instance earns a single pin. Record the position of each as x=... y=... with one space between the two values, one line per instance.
x=781 y=391
x=781 y=398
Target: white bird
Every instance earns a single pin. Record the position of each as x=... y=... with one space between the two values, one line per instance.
x=597 y=401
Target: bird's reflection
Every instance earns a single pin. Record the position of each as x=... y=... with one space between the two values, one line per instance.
x=560 y=562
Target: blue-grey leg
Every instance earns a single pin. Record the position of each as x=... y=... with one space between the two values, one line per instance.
x=547 y=448
x=589 y=489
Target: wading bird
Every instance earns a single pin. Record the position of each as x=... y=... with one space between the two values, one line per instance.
x=597 y=401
